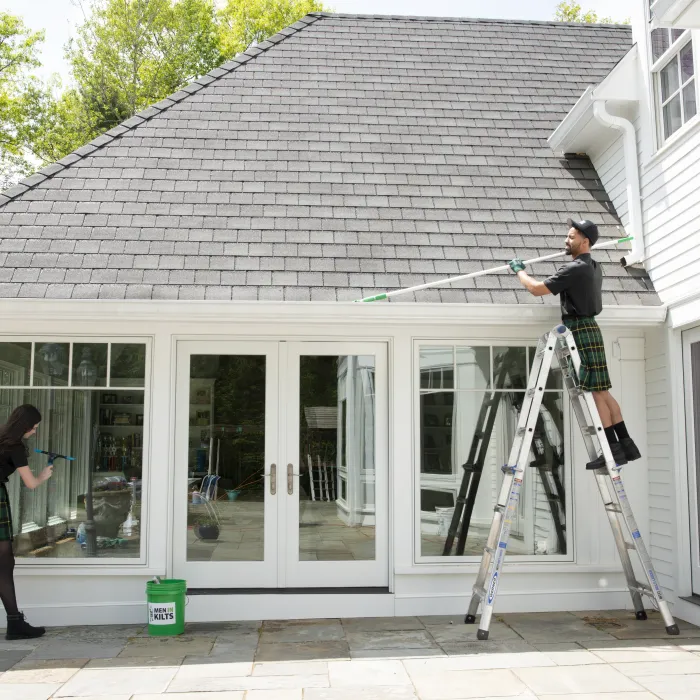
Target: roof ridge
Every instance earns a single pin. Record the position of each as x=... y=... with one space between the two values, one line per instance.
x=491 y=20
x=29 y=183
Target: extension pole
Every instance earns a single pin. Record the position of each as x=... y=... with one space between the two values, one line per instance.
x=490 y=271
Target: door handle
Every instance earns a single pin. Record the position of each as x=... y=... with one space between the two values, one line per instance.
x=273 y=479
x=290 y=478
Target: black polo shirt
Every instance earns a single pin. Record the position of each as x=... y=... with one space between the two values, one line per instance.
x=580 y=285
x=11 y=458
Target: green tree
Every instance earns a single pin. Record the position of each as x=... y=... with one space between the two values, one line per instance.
x=129 y=54
x=246 y=22
x=125 y=56
x=19 y=93
x=572 y=12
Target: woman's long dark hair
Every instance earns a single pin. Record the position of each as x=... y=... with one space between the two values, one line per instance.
x=21 y=421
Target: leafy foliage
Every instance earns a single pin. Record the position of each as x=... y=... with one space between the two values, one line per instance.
x=125 y=56
x=20 y=94
x=572 y=12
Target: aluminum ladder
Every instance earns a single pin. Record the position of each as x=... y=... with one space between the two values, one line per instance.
x=560 y=342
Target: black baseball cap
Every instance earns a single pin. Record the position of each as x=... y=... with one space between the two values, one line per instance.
x=587 y=228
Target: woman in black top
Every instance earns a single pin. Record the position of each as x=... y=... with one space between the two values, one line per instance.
x=21 y=424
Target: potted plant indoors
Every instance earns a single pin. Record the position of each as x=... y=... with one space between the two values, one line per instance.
x=206 y=528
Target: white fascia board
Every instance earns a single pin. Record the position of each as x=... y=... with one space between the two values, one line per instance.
x=685 y=311
x=103 y=313
x=676 y=14
x=580 y=129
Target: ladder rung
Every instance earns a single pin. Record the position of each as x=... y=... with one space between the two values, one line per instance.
x=489 y=550
x=613 y=508
x=479 y=591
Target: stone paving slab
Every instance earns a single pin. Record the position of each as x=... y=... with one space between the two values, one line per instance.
x=459 y=685
x=225 y=695
x=575 y=679
x=302 y=633
x=367 y=674
x=567 y=654
x=116 y=681
x=57 y=649
x=418 y=658
x=45 y=671
x=658 y=668
x=403 y=639
x=387 y=624
x=303 y=651
x=188 y=685
x=182 y=646
x=9 y=658
x=28 y=691
x=385 y=693
x=669 y=687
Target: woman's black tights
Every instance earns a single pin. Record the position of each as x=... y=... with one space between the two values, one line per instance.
x=7 y=581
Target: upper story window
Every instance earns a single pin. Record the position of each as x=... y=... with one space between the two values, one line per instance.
x=673 y=73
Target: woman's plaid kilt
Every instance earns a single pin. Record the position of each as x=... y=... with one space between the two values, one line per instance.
x=5 y=516
x=589 y=341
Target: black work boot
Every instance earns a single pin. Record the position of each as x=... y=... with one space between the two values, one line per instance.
x=618 y=454
x=631 y=450
x=19 y=628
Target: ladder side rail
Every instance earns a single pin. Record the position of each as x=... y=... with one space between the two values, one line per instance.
x=584 y=408
x=618 y=507
x=485 y=564
x=512 y=482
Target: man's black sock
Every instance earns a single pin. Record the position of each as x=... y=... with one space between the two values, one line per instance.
x=610 y=435
x=621 y=430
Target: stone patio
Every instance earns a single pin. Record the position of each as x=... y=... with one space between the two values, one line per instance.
x=586 y=655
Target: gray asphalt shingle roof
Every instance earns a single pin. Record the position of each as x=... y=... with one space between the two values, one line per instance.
x=344 y=156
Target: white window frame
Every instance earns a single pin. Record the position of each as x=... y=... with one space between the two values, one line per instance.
x=74 y=564
x=655 y=68
x=417 y=514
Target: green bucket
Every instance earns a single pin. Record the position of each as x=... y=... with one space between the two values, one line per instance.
x=166 y=607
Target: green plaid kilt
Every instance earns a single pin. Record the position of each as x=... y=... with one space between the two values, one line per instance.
x=589 y=341
x=5 y=516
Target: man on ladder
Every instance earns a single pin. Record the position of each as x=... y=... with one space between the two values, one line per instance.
x=577 y=345
x=579 y=284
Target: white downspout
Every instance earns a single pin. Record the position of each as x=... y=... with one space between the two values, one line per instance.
x=634 y=202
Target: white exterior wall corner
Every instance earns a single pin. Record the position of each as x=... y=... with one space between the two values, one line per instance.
x=663 y=542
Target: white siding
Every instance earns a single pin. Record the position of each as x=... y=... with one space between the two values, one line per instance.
x=670 y=193
x=662 y=523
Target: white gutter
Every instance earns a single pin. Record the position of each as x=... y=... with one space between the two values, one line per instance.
x=634 y=201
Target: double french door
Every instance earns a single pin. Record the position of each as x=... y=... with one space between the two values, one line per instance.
x=281 y=464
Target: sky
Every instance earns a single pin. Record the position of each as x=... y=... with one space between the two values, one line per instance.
x=57 y=17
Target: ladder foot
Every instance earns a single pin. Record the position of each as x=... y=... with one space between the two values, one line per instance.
x=673 y=629
x=483 y=635
x=470 y=619
x=640 y=615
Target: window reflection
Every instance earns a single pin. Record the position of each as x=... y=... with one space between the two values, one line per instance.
x=337 y=469
x=466 y=436
x=91 y=507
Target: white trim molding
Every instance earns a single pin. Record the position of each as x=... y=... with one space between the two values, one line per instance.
x=82 y=314
x=579 y=130
x=679 y=14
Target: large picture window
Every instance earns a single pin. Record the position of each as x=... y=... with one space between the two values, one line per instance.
x=673 y=73
x=92 y=398
x=469 y=401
